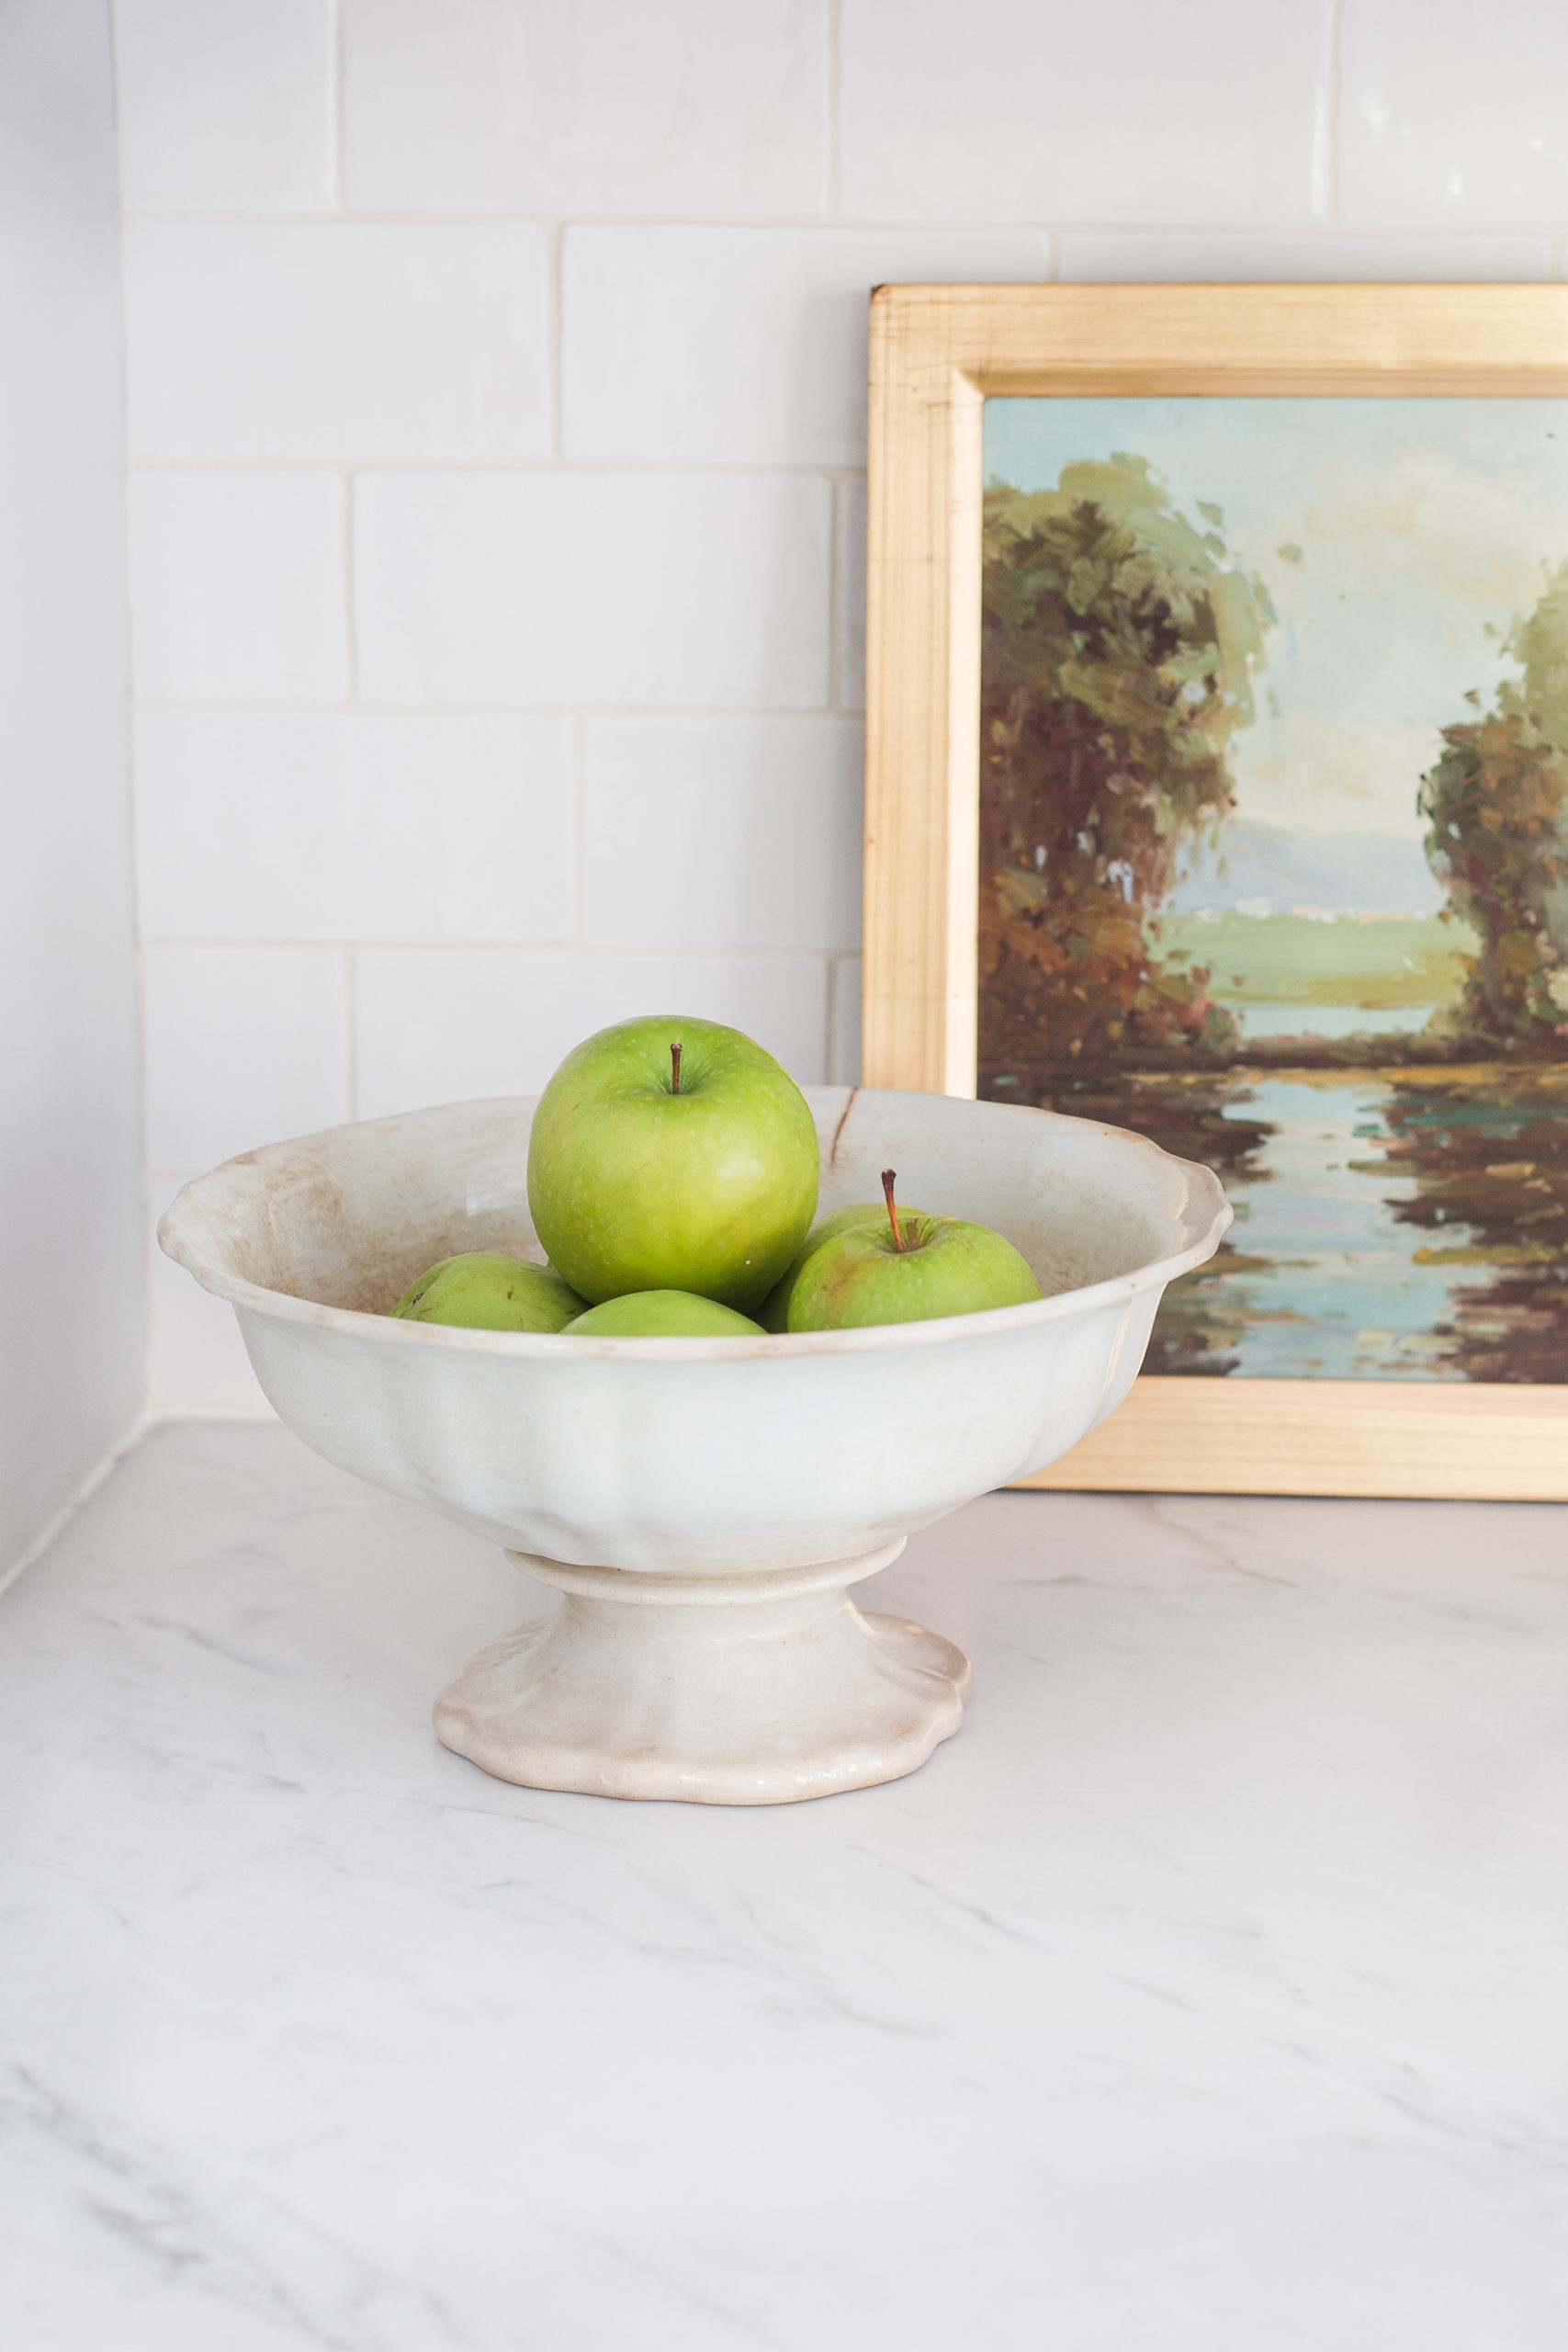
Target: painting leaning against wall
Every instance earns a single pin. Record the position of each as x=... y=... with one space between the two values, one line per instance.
x=1274 y=852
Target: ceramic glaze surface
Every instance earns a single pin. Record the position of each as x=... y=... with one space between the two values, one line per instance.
x=760 y=1690
x=681 y=1459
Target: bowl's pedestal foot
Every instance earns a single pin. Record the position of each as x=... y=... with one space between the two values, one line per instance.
x=744 y=1690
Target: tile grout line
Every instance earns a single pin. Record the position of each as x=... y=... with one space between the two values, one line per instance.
x=334 y=105
x=832 y=93
x=349 y=987
x=139 y=969
x=739 y=714
x=838 y=224
x=575 y=765
x=558 y=951
x=836 y=571
x=1333 y=106
x=555 y=348
x=830 y=1007
x=349 y=525
x=596 y=469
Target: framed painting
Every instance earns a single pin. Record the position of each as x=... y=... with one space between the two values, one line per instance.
x=1217 y=787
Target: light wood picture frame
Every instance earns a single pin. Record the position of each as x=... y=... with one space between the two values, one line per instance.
x=937 y=353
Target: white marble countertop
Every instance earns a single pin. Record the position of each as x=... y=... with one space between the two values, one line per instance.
x=1208 y=1991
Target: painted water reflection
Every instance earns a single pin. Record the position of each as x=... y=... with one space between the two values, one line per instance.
x=1391 y=1223
x=1274 y=852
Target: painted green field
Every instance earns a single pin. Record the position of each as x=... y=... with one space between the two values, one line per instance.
x=1375 y=961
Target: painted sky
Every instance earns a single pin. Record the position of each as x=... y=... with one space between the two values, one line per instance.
x=1419 y=522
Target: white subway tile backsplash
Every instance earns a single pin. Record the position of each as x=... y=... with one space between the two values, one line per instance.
x=596 y=105
x=336 y=343
x=722 y=833
x=198 y=1360
x=224 y=105
x=307 y=825
x=1156 y=257
x=447 y=1025
x=1451 y=114
x=1009 y=110
x=610 y=589
x=237 y=587
x=497 y=625
x=745 y=345
x=244 y=1045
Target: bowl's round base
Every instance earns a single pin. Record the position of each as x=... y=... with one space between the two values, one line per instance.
x=714 y=1691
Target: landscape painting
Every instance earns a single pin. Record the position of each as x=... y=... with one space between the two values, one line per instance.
x=1274 y=852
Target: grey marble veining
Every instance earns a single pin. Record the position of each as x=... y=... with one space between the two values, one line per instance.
x=1208 y=1991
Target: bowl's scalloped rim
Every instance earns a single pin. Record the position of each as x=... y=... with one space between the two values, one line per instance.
x=188 y=1222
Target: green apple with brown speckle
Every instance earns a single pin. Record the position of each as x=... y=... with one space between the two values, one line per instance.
x=773 y=1313
x=484 y=1290
x=907 y=1268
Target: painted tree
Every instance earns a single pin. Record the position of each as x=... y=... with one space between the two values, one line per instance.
x=1120 y=647
x=1496 y=806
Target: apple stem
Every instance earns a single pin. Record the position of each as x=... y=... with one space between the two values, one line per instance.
x=675 y=1069
x=889 y=1179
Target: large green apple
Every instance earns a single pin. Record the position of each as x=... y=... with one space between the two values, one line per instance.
x=484 y=1290
x=672 y=1154
x=907 y=1268
x=662 y=1315
x=773 y=1313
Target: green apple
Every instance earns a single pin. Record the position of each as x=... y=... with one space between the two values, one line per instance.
x=662 y=1315
x=905 y=1269
x=483 y=1291
x=773 y=1313
x=672 y=1154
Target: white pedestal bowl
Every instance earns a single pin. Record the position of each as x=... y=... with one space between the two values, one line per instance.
x=703 y=1505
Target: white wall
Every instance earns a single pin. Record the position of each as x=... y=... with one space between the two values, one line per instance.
x=497 y=409
x=73 y=1327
